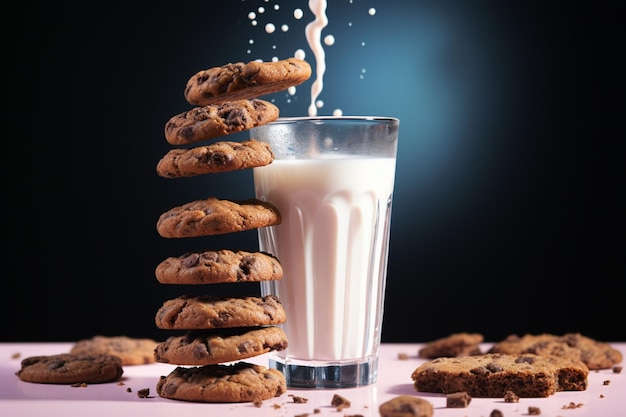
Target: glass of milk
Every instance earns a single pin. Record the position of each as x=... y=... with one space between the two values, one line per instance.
x=332 y=180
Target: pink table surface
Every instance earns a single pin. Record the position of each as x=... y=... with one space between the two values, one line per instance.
x=18 y=398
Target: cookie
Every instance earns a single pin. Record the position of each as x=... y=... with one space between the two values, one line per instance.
x=492 y=375
x=218 y=346
x=240 y=80
x=213 y=216
x=239 y=382
x=189 y=312
x=215 y=120
x=217 y=157
x=132 y=351
x=406 y=406
x=456 y=344
x=596 y=355
x=220 y=266
x=66 y=368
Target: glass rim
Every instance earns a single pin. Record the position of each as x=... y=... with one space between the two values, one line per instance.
x=378 y=119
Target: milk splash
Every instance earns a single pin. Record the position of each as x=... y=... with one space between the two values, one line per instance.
x=313 y=33
x=314 y=38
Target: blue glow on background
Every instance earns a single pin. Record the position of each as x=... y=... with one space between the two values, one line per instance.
x=426 y=65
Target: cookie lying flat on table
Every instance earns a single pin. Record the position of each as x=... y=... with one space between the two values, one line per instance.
x=215 y=120
x=215 y=158
x=406 y=406
x=594 y=354
x=245 y=80
x=132 y=351
x=189 y=312
x=71 y=369
x=456 y=344
x=218 y=346
x=239 y=382
x=220 y=266
x=492 y=375
x=213 y=216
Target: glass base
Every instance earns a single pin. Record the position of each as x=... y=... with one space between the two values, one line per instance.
x=320 y=374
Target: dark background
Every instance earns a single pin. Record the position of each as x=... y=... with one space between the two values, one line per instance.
x=506 y=216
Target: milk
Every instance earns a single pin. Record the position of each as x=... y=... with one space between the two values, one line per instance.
x=335 y=215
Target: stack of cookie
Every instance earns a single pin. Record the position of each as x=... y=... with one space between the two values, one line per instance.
x=220 y=329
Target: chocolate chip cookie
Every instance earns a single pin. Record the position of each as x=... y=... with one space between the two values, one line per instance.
x=213 y=216
x=492 y=375
x=132 y=351
x=215 y=120
x=456 y=344
x=219 y=266
x=71 y=369
x=189 y=312
x=219 y=346
x=218 y=157
x=406 y=406
x=245 y=80
x=593 y=353
x=239 y=382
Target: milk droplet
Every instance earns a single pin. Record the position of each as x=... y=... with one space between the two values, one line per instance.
x=329 y=40
x=261 y=10
x=251 y=15
x=319 y=104
x=337 y=112
x=300 y=54
x=372 y=11
x=298 y=13
x=291 y=90
x=270 y=28
x=284 y=28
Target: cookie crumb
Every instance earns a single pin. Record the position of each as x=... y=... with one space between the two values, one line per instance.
x=572 y=405
x=129 y=389
x=496 y=413
x=511 y=397
x=79 y=385
x=403 y=356
x=606 y=382
x=601 y=395
x=16 y=355
x=617 y=369
x=120 y=384
x=458 y=399
x=317 y=411
x=143 y=393
x=257 y=402
x=298 y=400
x=339 y=402
x=276 y=406
x=534 y=411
